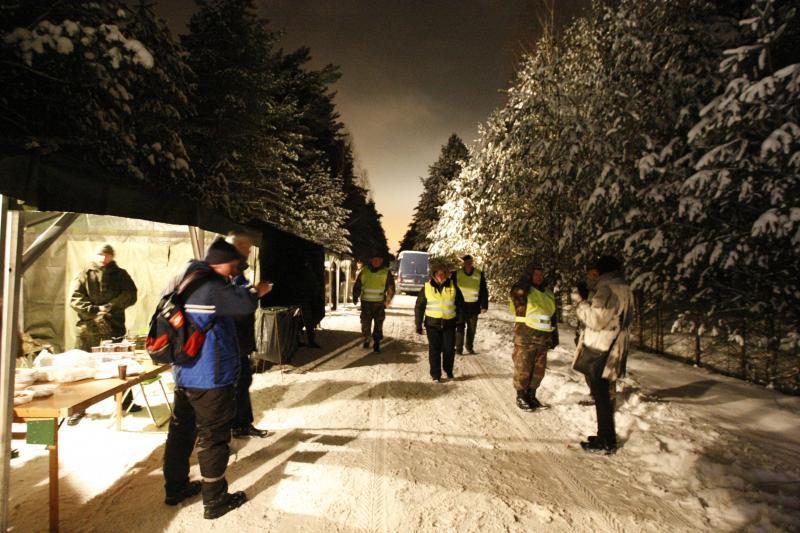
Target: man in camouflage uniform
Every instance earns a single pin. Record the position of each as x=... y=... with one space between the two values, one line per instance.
x=375 y=287
x=535 y=332
x=100 y=295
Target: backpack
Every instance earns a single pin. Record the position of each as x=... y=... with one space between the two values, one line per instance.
x=173 y=336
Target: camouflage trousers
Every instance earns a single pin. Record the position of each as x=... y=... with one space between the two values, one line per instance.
x=530 y=357
x=372 y=311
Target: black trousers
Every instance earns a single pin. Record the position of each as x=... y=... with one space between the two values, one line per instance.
x=204 y=415
x=372 y=313
x=244 y=408
x=602 y=393
x=470 y=324
x=441 y=350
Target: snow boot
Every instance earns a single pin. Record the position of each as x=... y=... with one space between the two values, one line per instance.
x=312 y=343
x=376 y=347
x=532 y=401
x=522 y=401
x=600 y=445
x=217 y=501
x=191 y=488
x=366 y=343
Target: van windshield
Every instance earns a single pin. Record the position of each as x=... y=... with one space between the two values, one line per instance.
x=414 y=264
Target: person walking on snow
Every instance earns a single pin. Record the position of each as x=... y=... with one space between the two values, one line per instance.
x=204 y=399
x=375 y=287
x=535 y=331
x=607 y=320
x=472 y=284
x=439 y=304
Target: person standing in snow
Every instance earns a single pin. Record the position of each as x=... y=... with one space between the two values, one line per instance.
x=535 y=331
x=246 y=332
x=584 y=290
x=438 y=305
x=100 y=295
x=375 y=287
x=204 y=399
x=472 y=285
x=607 y=319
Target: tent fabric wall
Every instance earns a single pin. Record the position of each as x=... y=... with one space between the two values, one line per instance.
x=151 y=252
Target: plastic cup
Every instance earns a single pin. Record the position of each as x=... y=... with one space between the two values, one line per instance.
x=122 y=371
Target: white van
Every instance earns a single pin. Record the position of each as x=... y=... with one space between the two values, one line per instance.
x=412 y=271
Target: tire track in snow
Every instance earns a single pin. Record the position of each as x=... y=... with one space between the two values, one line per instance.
x=556 y=468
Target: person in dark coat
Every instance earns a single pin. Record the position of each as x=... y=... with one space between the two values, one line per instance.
x=205 y=403
x=100 y=295
x=246 y=332
x=472 y=284
x=438 y=305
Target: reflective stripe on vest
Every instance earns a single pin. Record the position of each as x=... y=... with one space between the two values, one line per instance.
x=373 y=285
x=470 y=285
x=440 y=304
x=540 y=310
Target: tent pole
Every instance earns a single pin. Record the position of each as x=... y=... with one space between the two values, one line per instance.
x=196 y=236
x=9 y=344
x=47 y=238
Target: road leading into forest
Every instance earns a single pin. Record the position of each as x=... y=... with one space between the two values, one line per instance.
x=367 y=442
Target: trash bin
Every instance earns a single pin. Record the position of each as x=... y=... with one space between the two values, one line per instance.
x=276 y=333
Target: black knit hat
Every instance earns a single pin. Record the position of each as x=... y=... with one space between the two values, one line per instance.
x=221 y=252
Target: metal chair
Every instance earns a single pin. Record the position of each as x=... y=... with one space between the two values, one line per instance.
x=151 y=381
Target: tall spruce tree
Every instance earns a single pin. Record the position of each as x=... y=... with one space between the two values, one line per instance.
x=98 y=82
x=452 y=158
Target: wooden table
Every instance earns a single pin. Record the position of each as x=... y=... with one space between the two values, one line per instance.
x=71 y=398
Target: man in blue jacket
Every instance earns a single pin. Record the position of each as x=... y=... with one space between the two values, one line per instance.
x=205 y=389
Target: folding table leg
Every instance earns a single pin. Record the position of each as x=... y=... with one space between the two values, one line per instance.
x=119 y=410
x=54 y=478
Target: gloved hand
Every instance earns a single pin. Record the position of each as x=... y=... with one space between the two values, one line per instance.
x=355 y=301
x=419 y=330
x=101 y=325
x=554 y=339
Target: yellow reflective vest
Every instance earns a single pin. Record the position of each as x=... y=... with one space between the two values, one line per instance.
x=470 y=285
x=373 y=285
x=539 y=312
x=440 y=304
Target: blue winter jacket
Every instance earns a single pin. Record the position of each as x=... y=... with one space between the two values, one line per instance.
x=215 y=299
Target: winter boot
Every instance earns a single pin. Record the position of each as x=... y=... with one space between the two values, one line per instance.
x=217 y=501
x=532 y=401
x=311 y=342
x=366 y=343
x=190 y=489
x=522 y=401
x=376 y=347
x=600 y=445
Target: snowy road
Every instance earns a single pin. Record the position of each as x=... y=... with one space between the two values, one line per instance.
x=366 y=442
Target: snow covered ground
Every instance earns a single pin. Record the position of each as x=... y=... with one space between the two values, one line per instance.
x=367 y=442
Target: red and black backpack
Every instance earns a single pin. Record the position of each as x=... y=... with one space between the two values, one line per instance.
x=173 y=336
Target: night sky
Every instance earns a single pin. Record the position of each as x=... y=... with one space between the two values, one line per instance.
x=413 y=72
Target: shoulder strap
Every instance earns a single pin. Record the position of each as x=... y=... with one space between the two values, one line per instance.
x=189 y=279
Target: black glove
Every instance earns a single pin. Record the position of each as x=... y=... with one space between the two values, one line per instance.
x=419 y=330
x=554 y=339
x=583 y=290
x=355 y=301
